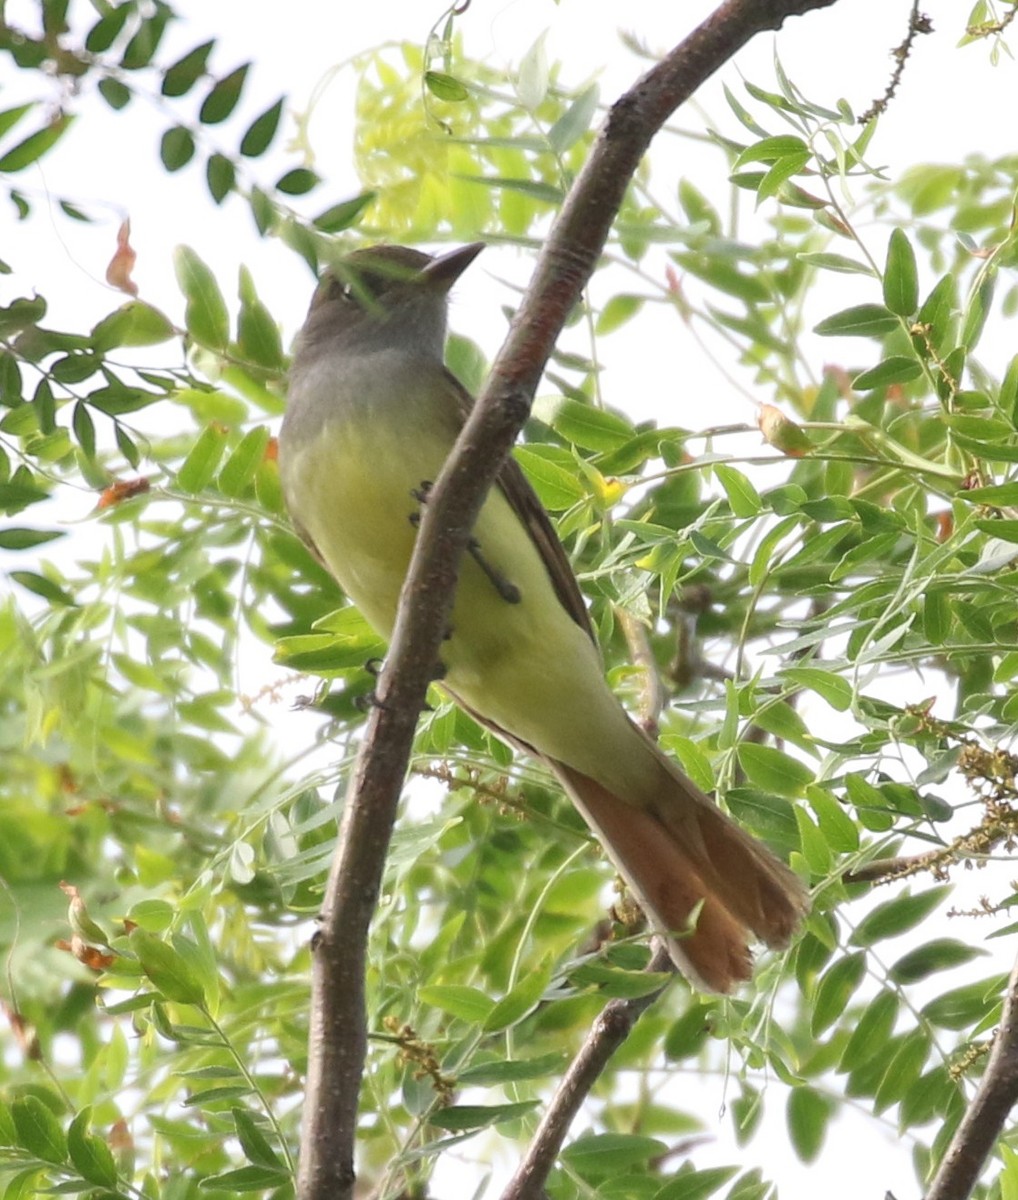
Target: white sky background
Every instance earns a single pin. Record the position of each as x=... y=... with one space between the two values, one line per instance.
x=951 y=103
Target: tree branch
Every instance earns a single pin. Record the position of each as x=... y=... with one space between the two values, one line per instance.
x=338 y=1036
x=608 y=1032
x=641 y=654
x=997 y=1094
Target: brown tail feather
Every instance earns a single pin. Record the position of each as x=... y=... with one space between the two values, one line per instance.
x=681 y=851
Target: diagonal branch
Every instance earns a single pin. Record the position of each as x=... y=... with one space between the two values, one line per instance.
x=609 y=1031
x=984 y=1119
x=338 y=1037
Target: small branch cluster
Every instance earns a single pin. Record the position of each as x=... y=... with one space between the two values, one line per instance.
x=917 y=23
x=495 y=791
x=993 y=28
x=991 y=774
x=413 y=1050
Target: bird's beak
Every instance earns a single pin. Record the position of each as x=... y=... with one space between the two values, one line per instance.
x=442 y=272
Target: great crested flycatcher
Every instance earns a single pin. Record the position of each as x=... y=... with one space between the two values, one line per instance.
x=371 y=417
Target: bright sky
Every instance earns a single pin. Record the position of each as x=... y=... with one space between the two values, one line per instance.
x=951 y=103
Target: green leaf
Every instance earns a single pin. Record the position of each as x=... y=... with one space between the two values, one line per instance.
x=34 y=146
x=263 y=210
x=16 y=496
x=116 y=94
x=901 y=276
x=575 y=121
x=519 y=1002
x=742 y=495
x=21 y=313
x=773 y=769
x=445 y=87
x=91 y=1156
x=126 y=446
x=598 y=1154
x=535 y=188
x=836 y=262
x=202 y=460
x=171 y=973
x=835 y=689
x=965 y=1005
x=695 y=1185
x=897 y=916
x=458 y=1118
x=808 y=1114
x=27 y=539
x=591 y=428
x=322 y=653
x=468 y=1003
x=341 y=216
x=998 y=495
x=532 y=78
x=221 y=175
x=261 y=131
x=904 y=1067
x=938 y=311
x=862 y=320
x=689 y=1033
x=938 y=954
x=779 y=174
x=11 y=116
x=492 y=1074
x=695 y=763
x=39 y=585
x=133 y=324
x=1008 y=398
x=772 y=149
x=38 y=1129
x=223 y=98
x=205 y=315
x=1008 y=1178
x=616 y=982
x=240 y=467
x=186 y=71
x=142 y=47
x=556 y=487
x=839 y=830
x=176 y=148
x=107 y=29
x=84 y=428
x=253 y=1142
x=617 y=312
x=835 y=989
x=978 y=309
x=812 y=843
x=872 y=1031
x=297 y=182
x=258 y=337
x=899 y=368
x=245 y=1179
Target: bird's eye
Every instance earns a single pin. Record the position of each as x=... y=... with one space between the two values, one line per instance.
x=340 y=289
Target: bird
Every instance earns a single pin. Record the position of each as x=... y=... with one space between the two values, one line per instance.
x=372 y=414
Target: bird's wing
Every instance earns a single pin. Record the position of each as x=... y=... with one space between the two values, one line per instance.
x=537 y=523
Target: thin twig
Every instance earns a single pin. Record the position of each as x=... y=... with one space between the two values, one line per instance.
x=653 y=695
x=917 y=23
x=338 y=1035
x=608 y=1032
x=984 y=1119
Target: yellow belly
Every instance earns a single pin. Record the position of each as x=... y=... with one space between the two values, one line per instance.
x=526 y=666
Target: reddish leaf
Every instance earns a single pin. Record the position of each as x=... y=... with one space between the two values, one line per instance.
x=118 y=273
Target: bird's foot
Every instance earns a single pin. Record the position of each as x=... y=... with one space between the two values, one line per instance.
x=369 y=700
x=509 y=592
